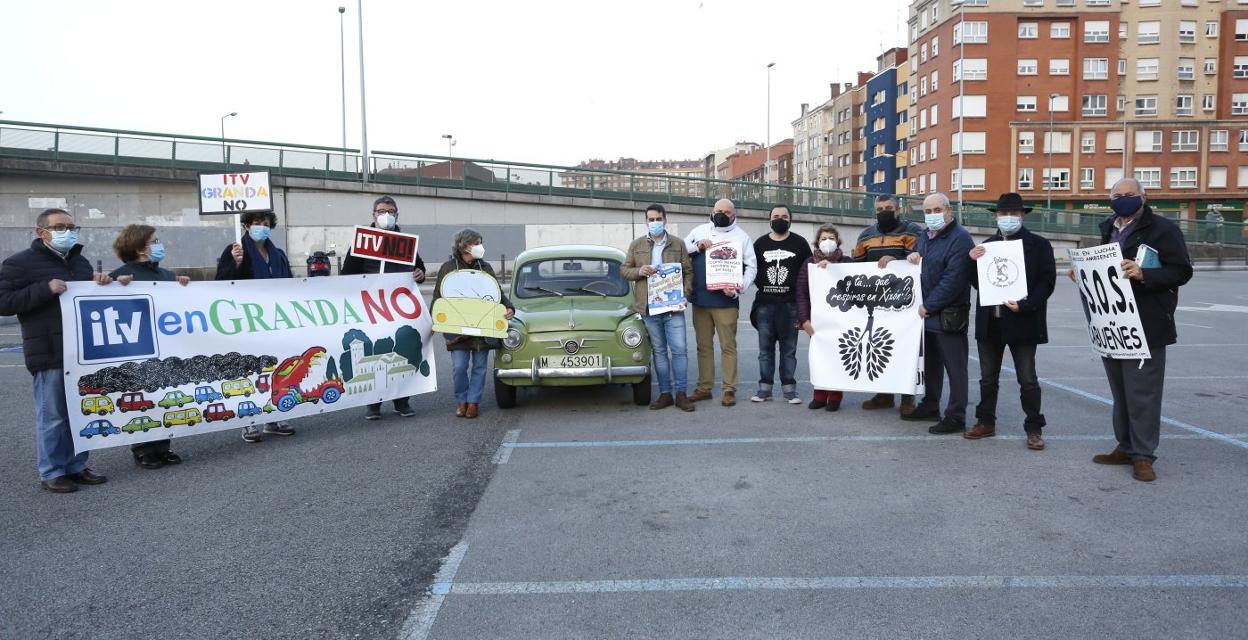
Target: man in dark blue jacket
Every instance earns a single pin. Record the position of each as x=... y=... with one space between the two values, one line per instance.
x=942 y=252
x=31 y=282
x=1136 y=385
x=1019 y=324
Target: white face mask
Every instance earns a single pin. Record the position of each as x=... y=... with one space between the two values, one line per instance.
x=827 y=246
x=478 y=251
x=386 y=221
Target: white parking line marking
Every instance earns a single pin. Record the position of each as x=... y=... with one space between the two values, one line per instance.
x=504 y=449
x=585 y=444
x=420 y=621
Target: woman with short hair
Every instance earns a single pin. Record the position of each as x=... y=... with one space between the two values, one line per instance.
x=827 y=250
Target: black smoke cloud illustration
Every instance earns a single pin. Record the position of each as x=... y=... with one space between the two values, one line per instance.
x=869 y=346
x=154 y=374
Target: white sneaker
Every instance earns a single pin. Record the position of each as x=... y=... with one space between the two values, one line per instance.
x=795 y=400
x=758 y=398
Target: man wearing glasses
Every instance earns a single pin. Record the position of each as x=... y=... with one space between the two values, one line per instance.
x=31 y=282
x=385 y=216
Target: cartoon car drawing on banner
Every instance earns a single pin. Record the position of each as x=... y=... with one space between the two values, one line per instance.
x=102 y=428
x=217 y=411
x=262 y=383
x=286 y=393
x=188 y=417
x=206 y=394
x=99 y=405
x=247 y=408
x=470 y=305
x=174 y=399
x=239 y=387
x=724 y=253
x=134 y=401
x=140 y=423
x=86 y=389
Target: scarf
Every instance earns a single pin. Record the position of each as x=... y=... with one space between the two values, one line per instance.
x=276 y=267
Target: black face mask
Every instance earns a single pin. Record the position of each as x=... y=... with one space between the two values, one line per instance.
x=780 y=225
x=887 y=220
x=720 y=219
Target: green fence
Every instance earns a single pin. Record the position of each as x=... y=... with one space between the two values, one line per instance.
x=201 y=153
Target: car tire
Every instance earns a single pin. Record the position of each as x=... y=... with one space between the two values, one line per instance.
x=641 y=392
x=504 y=394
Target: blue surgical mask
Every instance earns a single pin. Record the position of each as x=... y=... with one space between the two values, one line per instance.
x=1126 y=205
x=156 y=253
x=655 y=227
x=63 y=241
x=1009 y=225
x=258 y=232
x=934 y=221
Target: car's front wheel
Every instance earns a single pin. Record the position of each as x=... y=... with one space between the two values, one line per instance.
x=504 y=394
x=641 y=392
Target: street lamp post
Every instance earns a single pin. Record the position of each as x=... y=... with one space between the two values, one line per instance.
x=359 y=9
x=1048 y=183
x=342 y=70
x=450 y=155
x=961 y=101
x=224 y=157
x=767 y=166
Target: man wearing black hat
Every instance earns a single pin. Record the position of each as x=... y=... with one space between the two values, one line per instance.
x=1019 y=324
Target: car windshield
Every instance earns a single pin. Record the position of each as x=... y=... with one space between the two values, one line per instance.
x=570 y=277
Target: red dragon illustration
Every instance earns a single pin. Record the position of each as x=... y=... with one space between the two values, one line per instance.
x=284 y=384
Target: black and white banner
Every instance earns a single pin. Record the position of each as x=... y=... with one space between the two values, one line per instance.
x=1109 y=303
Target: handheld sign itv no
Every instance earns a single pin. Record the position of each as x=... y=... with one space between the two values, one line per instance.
x=383 y=245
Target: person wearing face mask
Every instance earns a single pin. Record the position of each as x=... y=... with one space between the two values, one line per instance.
x=715 y=312
x=470 y=355
x=943 y=255
x=141 y=252
x=774 y=312
x=667 y=330
x=1136 y=385
x=1020 y=325
x=827 y=250
x=385 y=216
x=256 y=258
x=31 y=282
x=893 y=237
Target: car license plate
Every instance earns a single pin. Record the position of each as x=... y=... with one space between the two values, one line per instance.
x=572 y=362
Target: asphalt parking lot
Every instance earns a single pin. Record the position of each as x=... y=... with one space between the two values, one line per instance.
x=578 y=515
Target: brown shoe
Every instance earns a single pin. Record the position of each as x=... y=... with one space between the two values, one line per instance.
x=59 y=484
x=87 y=476
x=683 y=403
x=470 y=410
x=699 y=395
x=1143 y=470
x=907 y=405
x=980 y=430
x=664 y=401
x=1114 y=457
x=1035 y=442
x=729 y=399
x=879 y=401
x=461 y=409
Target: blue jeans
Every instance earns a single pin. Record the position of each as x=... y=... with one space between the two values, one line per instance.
x=469 y=385
x=54 y=441
x=671 y=351
x=776 y=324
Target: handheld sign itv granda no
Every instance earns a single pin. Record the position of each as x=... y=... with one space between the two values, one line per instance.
x=383 y=245
x=222 y=193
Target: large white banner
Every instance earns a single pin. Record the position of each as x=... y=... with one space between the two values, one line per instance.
x=1002 y=273
x=156 y=360
x=1109 y=303
x=867 y=327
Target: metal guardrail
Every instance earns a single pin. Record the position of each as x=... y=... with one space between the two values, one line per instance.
x=201 y=153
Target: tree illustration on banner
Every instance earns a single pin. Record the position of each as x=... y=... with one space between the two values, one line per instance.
x=869 y=348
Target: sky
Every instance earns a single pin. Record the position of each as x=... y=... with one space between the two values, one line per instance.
x=550 y=82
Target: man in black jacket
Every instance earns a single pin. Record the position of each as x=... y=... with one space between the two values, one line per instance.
x=31 y=282
x=1136 y=385
x=385 y=216
x=1019 y=324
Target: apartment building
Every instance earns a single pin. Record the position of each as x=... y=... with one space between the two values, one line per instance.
x=882 y=117
x=662 y=170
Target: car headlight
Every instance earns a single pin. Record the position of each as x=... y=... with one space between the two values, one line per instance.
x=513 y=339
x=631 y=337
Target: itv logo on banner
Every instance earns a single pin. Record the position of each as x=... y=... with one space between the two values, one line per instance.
x=115 y=328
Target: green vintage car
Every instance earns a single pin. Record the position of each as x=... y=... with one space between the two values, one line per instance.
x=573 y=325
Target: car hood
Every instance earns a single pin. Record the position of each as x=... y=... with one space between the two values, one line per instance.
x=573 y=312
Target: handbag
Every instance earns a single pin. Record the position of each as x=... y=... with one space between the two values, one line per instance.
x=955 y=319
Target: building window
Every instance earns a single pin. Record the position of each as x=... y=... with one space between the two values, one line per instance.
x=1059 y=67
x=1096 y=68
x=1027 y=67
x=1059 y=30
x=1239 y=104
x=1124 y=29
x=1217 y=177
x=1059 y=103
x=969 y=142
x=1098 y=31
x=1026 y=103
x=1122 y=66
x=922 y=119
x=935 y=80
x=1087 y=178
x=1057 y=142
x=1148 y=32
x=1211 y=28
x=1098 y=3
x=1148 y=177
x=970 y=69
x=935 y=109
x=1121 y=104
x=1095 y=104
x=975 y=32
x=1183 y=105
x=922 y=86
x=1183 y=178
x=1218 y=139
x=1187 y=31
x=1147 y=141
x=923 y=53
x=1028 y=30
x=1033 y=3
x=932 y=153
x=923 y=184
x=1241 y=30
x=1112 y=175
x=1027 y=141
x=973 y=180
x=1146 y=105
x=1240 y=69
x=1087 y=142
x=1211 y=66
x=970 y=105
x=1185 y=140
x=1187 y=68
x=1146 y=69
x=1243 y=142
x=1026 y=178
x=935 y=46
x=1057 y=179
x=1114 y=141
